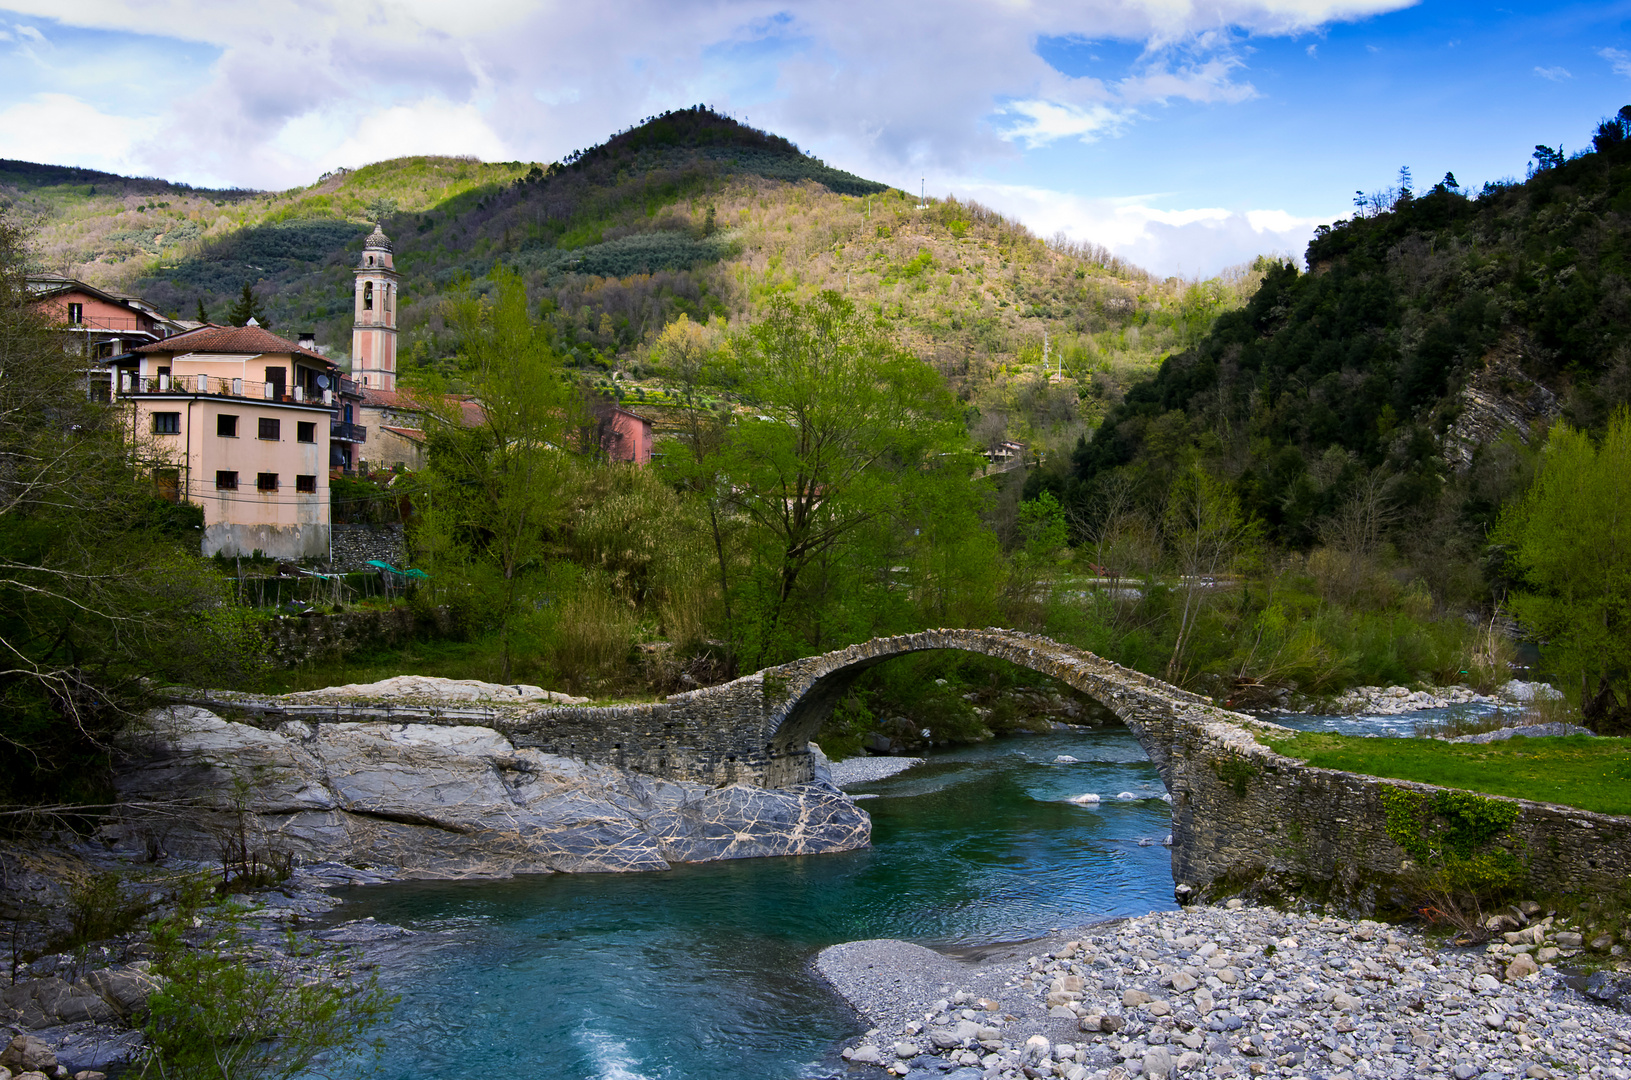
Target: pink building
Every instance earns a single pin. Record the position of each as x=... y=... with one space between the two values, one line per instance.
x=621 y=435
x=97 y=324
x=247 y=425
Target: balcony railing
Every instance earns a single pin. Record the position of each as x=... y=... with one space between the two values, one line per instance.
x=132 y=323
x=222 y=387
x=340 y=431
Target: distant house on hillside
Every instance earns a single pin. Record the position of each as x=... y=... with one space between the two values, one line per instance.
x=247 y=425
x=619 y=434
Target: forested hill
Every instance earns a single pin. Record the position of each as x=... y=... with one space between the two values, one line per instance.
x=687 y=213
x=1425 y=330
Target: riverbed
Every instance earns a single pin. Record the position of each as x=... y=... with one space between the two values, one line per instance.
x=705 y=971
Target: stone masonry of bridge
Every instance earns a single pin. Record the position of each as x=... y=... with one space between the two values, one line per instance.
x=1243 y=817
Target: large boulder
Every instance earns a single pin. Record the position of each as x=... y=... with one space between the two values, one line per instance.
x=445 y=801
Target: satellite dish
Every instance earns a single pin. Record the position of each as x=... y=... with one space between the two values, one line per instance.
x=322 y=382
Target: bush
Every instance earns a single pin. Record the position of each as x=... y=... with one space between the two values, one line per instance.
x=221 y=1017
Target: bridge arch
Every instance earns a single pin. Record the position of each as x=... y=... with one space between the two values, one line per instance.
x=793 y=700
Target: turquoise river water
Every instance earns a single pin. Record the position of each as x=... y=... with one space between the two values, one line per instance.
x=704 y=971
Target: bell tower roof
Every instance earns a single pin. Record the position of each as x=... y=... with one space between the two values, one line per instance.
x=377 y=242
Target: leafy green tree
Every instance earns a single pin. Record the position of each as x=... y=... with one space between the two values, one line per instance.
x=246 y=307
x=1570 y=540
x=690 y=355
x=846 y=431
x=379 y=208
x=101 y=586
x=494 y=492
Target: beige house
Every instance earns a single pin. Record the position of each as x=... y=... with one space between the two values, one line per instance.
x=249 y=425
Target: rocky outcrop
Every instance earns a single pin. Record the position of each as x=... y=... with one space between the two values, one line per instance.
x=1499 y=398
x=433 y=801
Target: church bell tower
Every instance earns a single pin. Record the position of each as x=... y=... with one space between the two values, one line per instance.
x=373 y=330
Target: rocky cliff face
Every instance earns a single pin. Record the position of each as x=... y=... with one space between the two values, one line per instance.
x=1499 y=398
x=439 y=802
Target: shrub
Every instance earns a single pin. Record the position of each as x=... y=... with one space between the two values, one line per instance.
x=221 y=1017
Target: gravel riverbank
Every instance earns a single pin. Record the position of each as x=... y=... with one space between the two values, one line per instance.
x=864 y=770
x=1219 y=992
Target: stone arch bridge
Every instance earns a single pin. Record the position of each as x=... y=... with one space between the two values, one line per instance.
x=1242 y=815
x=757 y=729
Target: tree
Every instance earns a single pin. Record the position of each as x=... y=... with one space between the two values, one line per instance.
x=493 y=492
x=1206 y=534
x=248 y=306
x=846 y=430
x=379 y=208
x=1613 y=131
x=1570 y=542
x=203 y=316
x=101 y=586
x=689 y=354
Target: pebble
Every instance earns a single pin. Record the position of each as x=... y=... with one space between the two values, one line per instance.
x=1214 y=992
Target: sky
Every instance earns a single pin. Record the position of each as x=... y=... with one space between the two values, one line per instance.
x=1185 y=135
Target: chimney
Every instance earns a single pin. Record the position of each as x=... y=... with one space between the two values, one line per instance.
x=308 y=340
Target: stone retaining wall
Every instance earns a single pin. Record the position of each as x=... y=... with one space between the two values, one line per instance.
x=297 y=640
x=354 y=545
x=1254 y=821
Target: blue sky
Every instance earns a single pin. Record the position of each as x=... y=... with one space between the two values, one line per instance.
x=1186 y=135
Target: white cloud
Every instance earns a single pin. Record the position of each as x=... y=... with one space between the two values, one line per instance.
x=1313 y=51
x=60 y=129
x=1619 y=58
x=1045 y=121
x=427 y=126
x=1195 y=242
x=880 y=88
x=1556 y=74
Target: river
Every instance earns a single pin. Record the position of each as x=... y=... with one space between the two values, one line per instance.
x=704 y=971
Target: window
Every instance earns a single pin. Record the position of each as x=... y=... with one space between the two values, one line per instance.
x=388 y=298
x=76 y=314
x=226 y=481
x=305 y=483
x=305 y=431
x=226 y=427
x=266 y=481
x=167 y=423
x=368 y=296
x=271 y=428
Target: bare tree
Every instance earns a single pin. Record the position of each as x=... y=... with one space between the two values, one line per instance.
x=1205 y=533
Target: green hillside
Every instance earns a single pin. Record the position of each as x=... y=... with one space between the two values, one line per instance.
x=1435 y=334
x=687 y=213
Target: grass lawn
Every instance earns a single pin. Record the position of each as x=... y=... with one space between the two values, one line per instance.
x=1579 y=771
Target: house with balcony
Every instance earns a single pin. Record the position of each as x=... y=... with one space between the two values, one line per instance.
x=96 y=325
x=247 y=425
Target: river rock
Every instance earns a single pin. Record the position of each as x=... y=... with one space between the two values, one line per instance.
x=445 y=802
x=1335 y=999
x=28 y=1054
